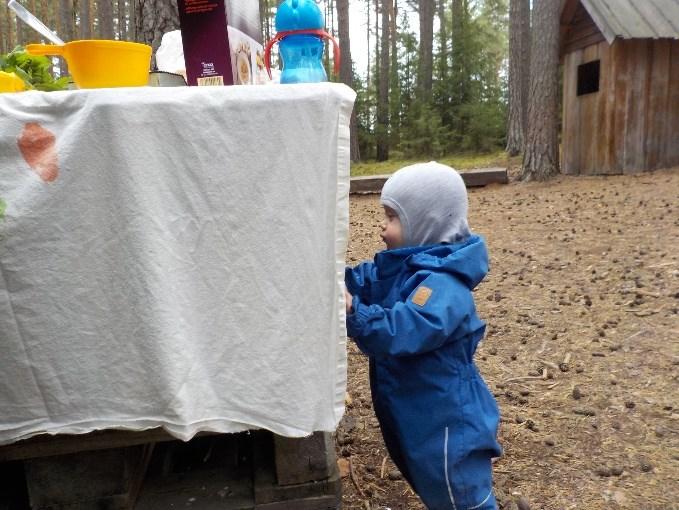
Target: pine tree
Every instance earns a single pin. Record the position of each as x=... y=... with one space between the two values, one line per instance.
x=105 y=18
x=85 y=28
x=519 y=69
x=382 y=126
x=153 y=18
x=346 y=72
x=541 y=155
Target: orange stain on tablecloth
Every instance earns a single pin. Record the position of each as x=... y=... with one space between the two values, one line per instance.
x=38 y=147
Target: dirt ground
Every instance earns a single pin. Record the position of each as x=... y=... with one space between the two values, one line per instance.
x=581 y=350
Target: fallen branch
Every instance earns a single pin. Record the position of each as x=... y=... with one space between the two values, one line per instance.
x=384 y=466
x=664 y=264
x=640 y=332
x=645 y=313
x=549 y=364
x=377 y=488
x=352 y=475
x=648 y=293
x=525 y=378
x=408 y=490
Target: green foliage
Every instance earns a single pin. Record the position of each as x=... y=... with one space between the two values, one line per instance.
x=486 y=127
x=460 y=162
x=3 y=208
x=32 y=69
x=423 y=134
x=468 y=104
x=365 y=111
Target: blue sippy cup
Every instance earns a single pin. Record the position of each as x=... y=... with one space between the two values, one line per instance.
x=299 y=25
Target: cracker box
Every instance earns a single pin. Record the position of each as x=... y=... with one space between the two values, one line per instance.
x=222 y=42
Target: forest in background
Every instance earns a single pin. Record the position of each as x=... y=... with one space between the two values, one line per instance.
x=440 y=87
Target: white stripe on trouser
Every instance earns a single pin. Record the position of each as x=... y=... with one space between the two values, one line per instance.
x=445 y=459
x=482 y=502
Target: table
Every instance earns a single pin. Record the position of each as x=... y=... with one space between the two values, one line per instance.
x=173 y=258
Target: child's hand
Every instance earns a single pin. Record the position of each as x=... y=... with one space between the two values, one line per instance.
x=348 y=298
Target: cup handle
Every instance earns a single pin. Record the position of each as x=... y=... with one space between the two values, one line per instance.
x=45 y=49
x=318 y=32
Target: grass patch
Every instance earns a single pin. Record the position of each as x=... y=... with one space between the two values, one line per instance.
x=460 y=162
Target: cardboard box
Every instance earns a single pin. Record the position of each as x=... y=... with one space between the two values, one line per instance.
x=222 y=42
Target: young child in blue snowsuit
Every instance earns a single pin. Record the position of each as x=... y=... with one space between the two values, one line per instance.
x=412 y=312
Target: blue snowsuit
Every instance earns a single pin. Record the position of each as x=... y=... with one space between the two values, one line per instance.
x=414 y=316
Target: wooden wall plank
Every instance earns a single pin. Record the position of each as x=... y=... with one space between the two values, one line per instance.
x=583 y=42
x=637 y=99
x=621 y=51
x=672 y=137
x=576 y=135
x=568 y=11
x=565 y=115
x=657 y=112
x=632 y=124
x=588 y=120
x=613 y=165
x=571 y=114
x=604 y=137
x=578 y=30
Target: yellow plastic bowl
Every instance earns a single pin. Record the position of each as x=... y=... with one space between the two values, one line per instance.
x=102 y=63
x=10 y=82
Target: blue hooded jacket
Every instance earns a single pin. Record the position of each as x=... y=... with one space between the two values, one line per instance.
x=414 y=316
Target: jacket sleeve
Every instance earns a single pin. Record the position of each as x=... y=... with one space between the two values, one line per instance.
x=359 y=279
x=422 y=322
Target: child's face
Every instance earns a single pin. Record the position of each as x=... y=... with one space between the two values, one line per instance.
x=392 y=234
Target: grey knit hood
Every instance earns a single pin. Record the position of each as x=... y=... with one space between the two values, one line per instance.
x=431 y=202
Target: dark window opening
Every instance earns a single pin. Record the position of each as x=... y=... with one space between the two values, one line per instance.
x=588 y=78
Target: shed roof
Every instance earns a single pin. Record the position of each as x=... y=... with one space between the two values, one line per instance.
x=635 y=19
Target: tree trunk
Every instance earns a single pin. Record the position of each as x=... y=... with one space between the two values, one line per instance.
x=5 y=45
x=331 y=28
x=443 y=66
x=525 y=65
x=122 y=20
x=346 y=74
x=153 y=19
x=66 y=32
x=328 y=28
x=264 y=19
x=458 y=66
x=541 y=155
x=395 y=106
x=344 y=41
x=425 y=67
x=460 y=74
x=132 y=24
x=382 y=127
x=377 y=42
x=105 y=17
x=443 y=39
x=44 y=14
x=519 y=69
x=367 y=37
x=85 y=23
x=19 y=31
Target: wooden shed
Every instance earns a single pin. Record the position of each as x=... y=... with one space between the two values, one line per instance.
x=620 y=85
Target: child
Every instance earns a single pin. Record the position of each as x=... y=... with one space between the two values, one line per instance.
x=412 y=312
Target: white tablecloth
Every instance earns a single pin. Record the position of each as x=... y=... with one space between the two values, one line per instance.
x=173 y=258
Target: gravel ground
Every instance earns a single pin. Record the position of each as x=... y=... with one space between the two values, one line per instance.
x=581 y=351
